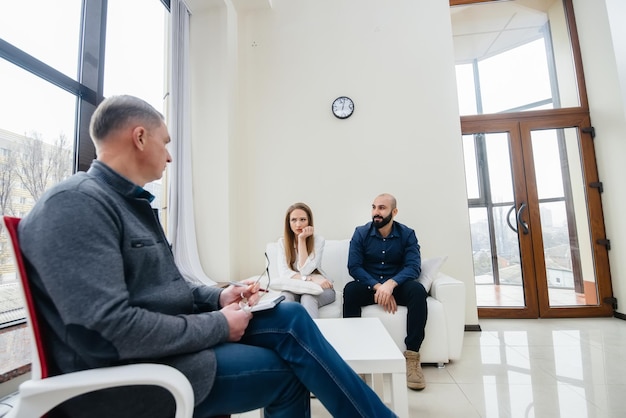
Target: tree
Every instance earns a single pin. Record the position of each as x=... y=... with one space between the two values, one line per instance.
x=61 y=159
x=8 y=169
x=42 y=165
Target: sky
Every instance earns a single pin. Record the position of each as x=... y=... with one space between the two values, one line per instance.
x=134 y=63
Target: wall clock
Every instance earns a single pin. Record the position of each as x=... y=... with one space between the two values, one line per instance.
x=343 y=107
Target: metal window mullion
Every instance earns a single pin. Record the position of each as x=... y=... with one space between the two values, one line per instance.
x=42 y=70
x=91 y=75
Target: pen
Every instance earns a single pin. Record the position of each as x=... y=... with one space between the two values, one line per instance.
x=239 y=284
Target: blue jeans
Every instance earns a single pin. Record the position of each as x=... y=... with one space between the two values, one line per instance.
x=281 y=358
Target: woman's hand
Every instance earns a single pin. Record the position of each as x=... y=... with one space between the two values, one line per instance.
x=307 y=231
x=322 y=281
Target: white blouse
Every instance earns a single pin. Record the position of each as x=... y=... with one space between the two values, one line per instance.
x=313 y=261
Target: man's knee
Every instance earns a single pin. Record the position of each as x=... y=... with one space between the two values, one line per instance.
x=412 y=295
x=349 y=289
x=351 y=306
x=415 y=289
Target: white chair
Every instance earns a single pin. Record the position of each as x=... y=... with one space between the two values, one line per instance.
x=43 y=392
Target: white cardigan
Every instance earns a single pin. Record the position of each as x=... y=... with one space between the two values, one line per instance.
x=313 y=261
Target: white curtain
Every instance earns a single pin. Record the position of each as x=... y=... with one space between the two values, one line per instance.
x=181 y=223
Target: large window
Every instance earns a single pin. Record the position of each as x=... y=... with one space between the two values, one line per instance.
x=52 y=77
x=513 y=56
x=134 y=60
x=532 y=183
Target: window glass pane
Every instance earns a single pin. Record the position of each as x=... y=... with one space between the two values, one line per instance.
x=549 y=164
x=36 y=151
x=47 y=30
x=499 y=163
x=519 y=51
x=515 y=78
x=135 y=59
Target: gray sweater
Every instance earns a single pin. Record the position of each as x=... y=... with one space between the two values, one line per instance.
x=106 y=285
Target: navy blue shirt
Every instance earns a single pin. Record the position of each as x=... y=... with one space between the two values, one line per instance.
x=374 y=259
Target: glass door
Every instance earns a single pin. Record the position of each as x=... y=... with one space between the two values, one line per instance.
x=537 y=227
x=498 y=212
x=534 y=204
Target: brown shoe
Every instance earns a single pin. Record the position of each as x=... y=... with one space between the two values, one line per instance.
x=414 y=375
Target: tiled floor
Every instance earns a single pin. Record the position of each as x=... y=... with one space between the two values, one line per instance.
x=543 y=368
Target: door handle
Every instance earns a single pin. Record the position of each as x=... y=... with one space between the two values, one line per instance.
x=508 y=219
x=518 y=216
x=521 y=222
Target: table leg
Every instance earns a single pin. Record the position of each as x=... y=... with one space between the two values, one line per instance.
x=387 y=387
x=399 y=396
x=378 y=385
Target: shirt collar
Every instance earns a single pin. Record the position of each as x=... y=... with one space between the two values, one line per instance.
x=374 y=231
x=119 y=183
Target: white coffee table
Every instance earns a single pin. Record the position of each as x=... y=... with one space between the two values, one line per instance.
x=367 y=347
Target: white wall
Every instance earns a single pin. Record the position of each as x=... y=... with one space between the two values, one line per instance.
x=276 y=141
x=603 y=47
x=294 y=59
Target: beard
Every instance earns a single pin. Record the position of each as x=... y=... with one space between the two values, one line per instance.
x=380 y=222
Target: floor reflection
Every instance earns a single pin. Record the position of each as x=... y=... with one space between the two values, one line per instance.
x=543 y=368
x=513 y=295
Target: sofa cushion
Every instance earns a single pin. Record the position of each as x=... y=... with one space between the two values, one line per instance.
x=446 y=304
x=430 y=268
x=335 y=262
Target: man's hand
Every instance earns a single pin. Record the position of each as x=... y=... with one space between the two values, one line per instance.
x=384 y=296
x=248 y=291
x=237 y=319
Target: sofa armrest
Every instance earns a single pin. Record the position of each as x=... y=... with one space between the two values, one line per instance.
x=451 y=293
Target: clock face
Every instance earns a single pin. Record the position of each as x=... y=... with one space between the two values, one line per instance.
x=343 y=107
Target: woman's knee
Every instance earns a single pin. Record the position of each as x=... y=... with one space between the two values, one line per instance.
x=290 y=297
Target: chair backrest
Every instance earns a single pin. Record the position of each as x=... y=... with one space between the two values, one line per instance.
x=39 y=366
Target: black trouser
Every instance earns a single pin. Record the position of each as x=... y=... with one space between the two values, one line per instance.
x=410 y=294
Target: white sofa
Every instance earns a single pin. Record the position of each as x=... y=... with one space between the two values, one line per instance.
x=446 y=304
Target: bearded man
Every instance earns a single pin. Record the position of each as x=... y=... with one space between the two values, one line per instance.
x=385 y=262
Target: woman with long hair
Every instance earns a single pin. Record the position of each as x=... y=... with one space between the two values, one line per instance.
x=300 y=258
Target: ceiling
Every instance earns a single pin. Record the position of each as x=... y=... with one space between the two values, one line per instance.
x=480 y=30
x=486 y=29
x=240 y=5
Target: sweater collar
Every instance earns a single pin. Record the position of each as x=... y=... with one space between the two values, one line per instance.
x=119 y=183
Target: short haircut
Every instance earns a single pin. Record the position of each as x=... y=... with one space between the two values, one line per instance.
x=117 y=111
